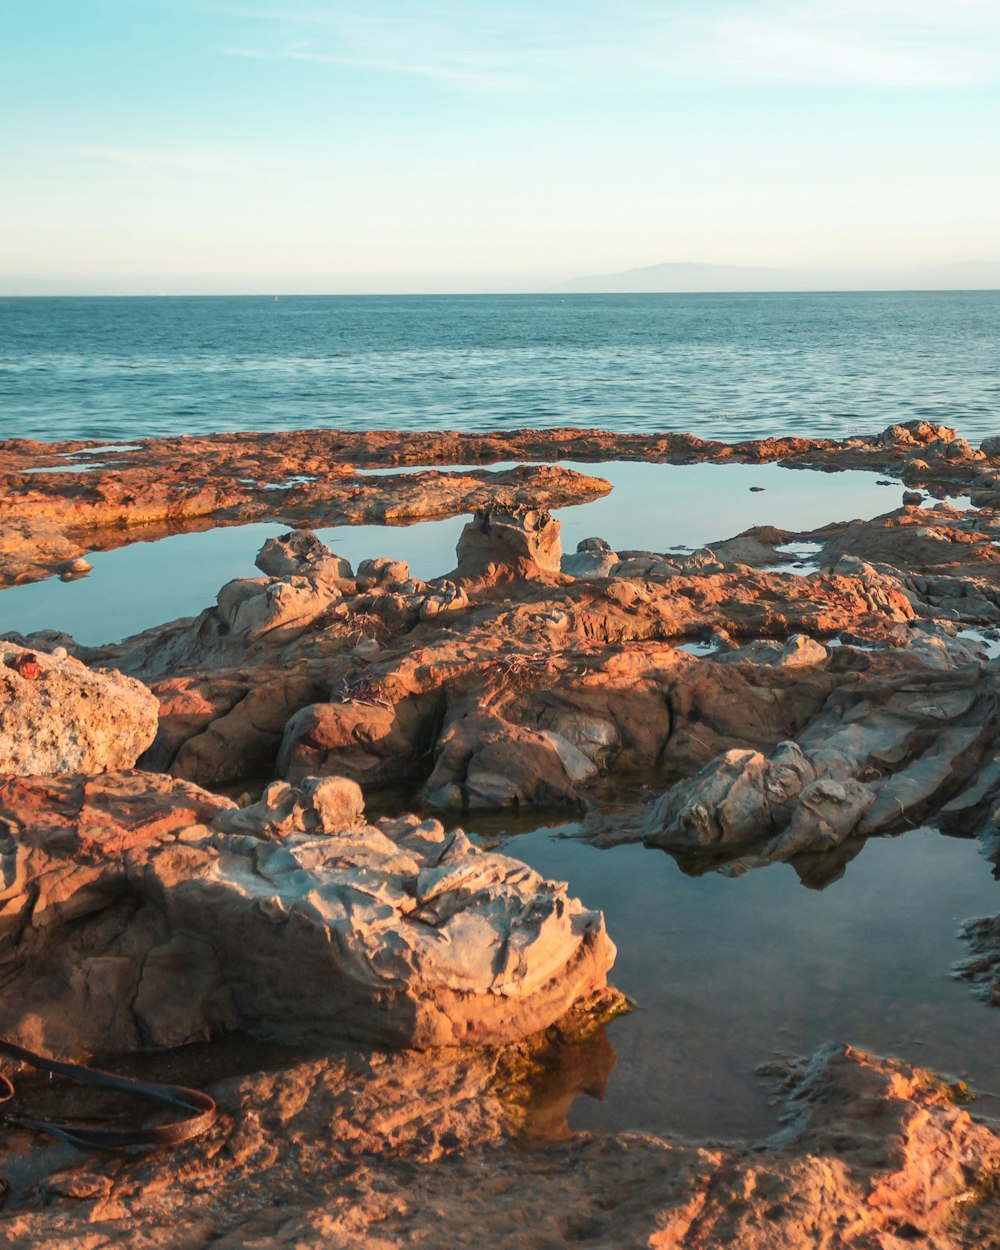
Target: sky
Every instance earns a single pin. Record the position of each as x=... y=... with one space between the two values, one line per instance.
x=362 y=145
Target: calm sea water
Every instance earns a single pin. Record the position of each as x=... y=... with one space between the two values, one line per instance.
x=728 y=973
x=723 y=366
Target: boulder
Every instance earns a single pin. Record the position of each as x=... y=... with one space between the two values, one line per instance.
x=285 y=607
x=741 y=797
x=367 y=738
x=484 y=762
x=592 y=559
x=798 y=651
x=509 y=542
x=301 y=551
x=57 y=716
x=381 y=570
x=138 y=910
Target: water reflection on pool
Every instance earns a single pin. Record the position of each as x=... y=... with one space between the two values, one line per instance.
x=727 y=973
x=652 y=507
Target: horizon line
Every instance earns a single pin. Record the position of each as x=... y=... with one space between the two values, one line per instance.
x=278 y=294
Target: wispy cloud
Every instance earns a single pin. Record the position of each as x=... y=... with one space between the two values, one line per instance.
x=524 y=46
x=466 y=77
x=879 y=43
x=252 y=54
x=142 y=158
x=434 y=43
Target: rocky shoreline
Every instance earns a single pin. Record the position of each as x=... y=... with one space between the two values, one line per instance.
x=142 y=908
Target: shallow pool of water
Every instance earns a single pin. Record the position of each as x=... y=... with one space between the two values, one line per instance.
x=728 y=973
x=652 y=507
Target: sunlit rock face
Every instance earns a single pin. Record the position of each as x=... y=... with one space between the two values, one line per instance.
x=504 y=542
x=141 y=910
x=58 y=716
x=353 y=1150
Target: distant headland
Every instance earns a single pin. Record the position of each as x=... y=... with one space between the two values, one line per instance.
x=681 y=276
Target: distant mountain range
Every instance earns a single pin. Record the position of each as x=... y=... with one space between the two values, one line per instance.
x=686 y=276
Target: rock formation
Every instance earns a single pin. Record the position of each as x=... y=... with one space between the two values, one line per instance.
x=142 y=911
x=311 y=477
x=58 y=716
x=832 y=696
x=371 y=1151
x=503 y=543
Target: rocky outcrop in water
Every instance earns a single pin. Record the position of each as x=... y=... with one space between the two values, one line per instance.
x=302 y=675
x=834 y=696
x=136 y=910
x=883 y=754
x=507 y=544
x=310 y=478
x=744 y=797
x=49 y=521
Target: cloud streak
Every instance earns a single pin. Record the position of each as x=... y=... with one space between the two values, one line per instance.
x=828 y=43
x=464 y=77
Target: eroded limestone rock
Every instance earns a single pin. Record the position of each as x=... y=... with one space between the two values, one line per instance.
x=138 y=910
x=252 y=607
x=504 y=542
x=301 y=552
x=879 y=757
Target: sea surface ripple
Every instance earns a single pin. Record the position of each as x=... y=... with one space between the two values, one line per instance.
x=722 y=366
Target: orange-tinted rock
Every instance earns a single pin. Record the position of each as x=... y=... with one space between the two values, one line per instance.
x=57 y=715
x=372 y=1151
x=140 y=910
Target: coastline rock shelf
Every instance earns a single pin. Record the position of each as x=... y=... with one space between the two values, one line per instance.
x=398 y=998
x=61 y=500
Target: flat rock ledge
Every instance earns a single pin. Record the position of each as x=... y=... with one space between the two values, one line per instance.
x=138 y=910
x=58 y=716
x=872 y=1155
x=90 y=496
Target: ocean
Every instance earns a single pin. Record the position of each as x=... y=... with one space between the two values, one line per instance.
x=722 y=366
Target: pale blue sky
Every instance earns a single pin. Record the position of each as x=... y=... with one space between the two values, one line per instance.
x=348 y=145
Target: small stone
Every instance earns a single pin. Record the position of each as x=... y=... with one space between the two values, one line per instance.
x=74 y=569
x=26 y=665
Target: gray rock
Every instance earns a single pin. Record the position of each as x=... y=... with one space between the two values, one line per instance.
x=301 y=551
x=590 y=564
x=253 y=607
x=798 y=651
x=740 y=797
